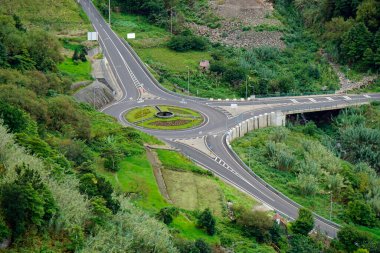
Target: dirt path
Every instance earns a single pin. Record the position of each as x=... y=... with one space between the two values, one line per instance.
x=345 y=83
x=156 y=164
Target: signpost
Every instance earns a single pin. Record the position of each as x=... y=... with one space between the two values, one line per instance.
x=131 y=36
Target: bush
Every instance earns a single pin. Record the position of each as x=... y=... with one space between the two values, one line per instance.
x=166 y=214
x=304 y=223
x=206 y=220
x=182 y=43
x=351 y=239
x=254 y=223
x=361 y=213
x=13 y=117
x=307 y=184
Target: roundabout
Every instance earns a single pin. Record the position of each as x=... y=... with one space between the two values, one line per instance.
x=164 y=117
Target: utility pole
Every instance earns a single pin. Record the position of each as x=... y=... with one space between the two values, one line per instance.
x=171 y=20
x=331 y=204
x=109 y=12
x=188 y=80
x=246 y=88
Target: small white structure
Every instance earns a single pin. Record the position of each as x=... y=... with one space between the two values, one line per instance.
x=92 y=36
x=131 y=36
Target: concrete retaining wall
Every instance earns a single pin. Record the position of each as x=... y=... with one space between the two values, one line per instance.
x=256 y=122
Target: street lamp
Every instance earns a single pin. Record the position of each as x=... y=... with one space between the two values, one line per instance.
x=188 y=80
x=109 y=12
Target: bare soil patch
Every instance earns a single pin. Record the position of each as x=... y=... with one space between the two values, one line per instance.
x=239 y=19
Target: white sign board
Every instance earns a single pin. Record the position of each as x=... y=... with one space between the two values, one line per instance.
x=92 y=36
x=131 y=36
x=234 y=105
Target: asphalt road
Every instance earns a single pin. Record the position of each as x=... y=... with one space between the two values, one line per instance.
x=133 y=78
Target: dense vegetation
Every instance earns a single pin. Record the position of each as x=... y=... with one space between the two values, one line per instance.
x=350 y=29
x=313 y=166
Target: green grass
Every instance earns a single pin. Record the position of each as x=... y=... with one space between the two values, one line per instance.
x=80 y=71
x=63 y=17
x=186 y=225
x=193 y=192
x=176 y=62
x=145 y=117
x=136 y=178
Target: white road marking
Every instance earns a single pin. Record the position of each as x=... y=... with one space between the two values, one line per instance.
x=313 y=100
x=367 y=96
x=294 y=101
x=346 y=98
x=330 y=99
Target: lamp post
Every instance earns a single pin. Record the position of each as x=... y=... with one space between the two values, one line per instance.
x=109 y=12
x=188 y=80
x=331 y=204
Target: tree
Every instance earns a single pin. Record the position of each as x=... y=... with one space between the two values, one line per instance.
x=13 y=117
x=361 y=213
x=27 y=202
x=368 y=61
x=75 y=55
x=369 y=13
x=206 y=220
x=254 y=223
x=302 y=244
x=18 y=23
x=352 y=239
x=304 y=223
x=166 y=214
x=202 y=246
x=3 y=55
x=354 y=43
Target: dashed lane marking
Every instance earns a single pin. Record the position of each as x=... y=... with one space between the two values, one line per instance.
x=294 y=101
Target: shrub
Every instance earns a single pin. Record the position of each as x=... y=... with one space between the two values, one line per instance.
x=361 y=213
x=166 y=214
x=13 y=117
x=304 y=223
x=182 y=43
x=207 y=221
x=307 y=184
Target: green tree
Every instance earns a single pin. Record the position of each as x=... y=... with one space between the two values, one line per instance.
x=254 y=223
x=27 y=202
x=13 y=117
x=302 y=244
x=75 y=55
x=369 y=13
x=368 y=61
x=3 y=55
x=304 y=223
x=202 y=246
x=18 y=23
x=361 y=213
x=166 y=214
x=351 y=239
x=354 y=43
x=206 y=220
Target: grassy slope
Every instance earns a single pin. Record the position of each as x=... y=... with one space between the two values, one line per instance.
x=284 y=180
x=77 y=72
x=60 y=17
x=150 y=44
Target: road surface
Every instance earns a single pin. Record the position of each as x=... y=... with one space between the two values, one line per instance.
x=135 y=81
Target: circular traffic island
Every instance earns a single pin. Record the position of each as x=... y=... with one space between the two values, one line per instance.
x=164 y=117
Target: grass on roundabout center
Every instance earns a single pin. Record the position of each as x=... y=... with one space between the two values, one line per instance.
x=183 y=118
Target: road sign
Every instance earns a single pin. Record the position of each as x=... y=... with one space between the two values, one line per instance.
x=131 y=36
x=92 y=36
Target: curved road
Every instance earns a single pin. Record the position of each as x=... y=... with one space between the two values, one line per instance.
x=135 y=81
